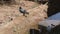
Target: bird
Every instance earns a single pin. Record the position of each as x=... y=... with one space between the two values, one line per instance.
x=23 y=11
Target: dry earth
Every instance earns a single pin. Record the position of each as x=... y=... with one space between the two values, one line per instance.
x=13 y=22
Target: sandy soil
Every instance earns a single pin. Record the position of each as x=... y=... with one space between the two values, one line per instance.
x=13 y=22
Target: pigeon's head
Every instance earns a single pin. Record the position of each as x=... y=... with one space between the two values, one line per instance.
x=20 y=7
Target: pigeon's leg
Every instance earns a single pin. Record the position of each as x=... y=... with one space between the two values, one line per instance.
x=23 y=14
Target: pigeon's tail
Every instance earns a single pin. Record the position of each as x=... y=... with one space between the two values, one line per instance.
x=27 y=12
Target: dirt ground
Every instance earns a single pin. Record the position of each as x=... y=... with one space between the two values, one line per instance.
x=13 y=22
